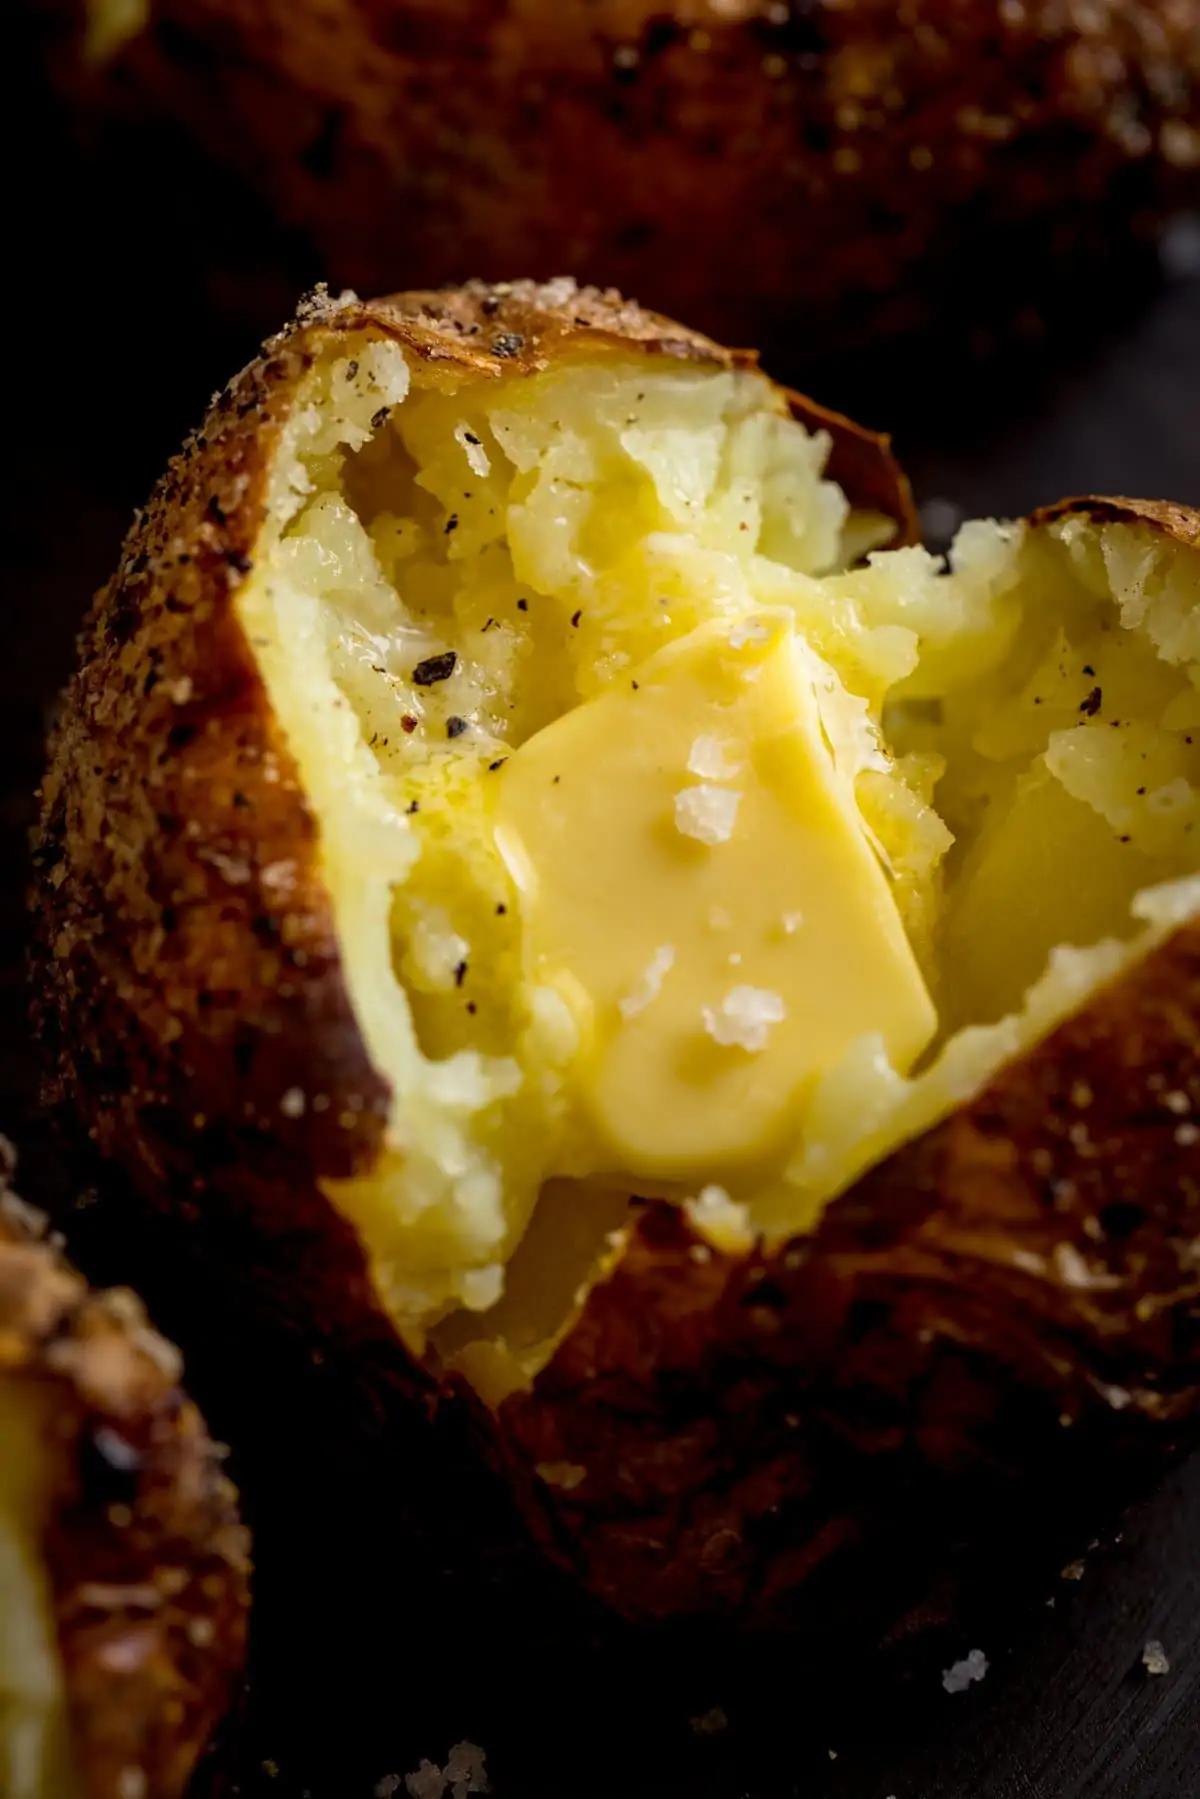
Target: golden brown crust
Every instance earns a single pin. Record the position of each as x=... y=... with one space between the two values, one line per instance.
x=147 y=1563
x=1180 y=523
x=808 y=175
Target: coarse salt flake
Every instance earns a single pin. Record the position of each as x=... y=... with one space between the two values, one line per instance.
x=744 y=1018
x=961 y=1675
x=707 y=759
x=649 y=982
x=706 y=813
x=722 y=1219
x=1155 y=1659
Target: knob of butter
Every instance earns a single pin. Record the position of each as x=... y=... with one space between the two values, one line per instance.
x=694 y=877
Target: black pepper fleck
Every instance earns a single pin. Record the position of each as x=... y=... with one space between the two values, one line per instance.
x=455 y=726
x=522 y=605
x=498 y=763
x=576 y=616
x=507 y=343
x=1091 y=705
x=460 y=973
x=435 y=668
x=501 y=909
x=413 y=806
x=380 y=417
x=451 y=524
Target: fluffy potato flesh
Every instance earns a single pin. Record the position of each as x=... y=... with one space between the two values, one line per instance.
x=35 y=1756
x=672 y=849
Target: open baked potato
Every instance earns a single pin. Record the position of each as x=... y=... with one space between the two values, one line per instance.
x=548 y=923
x=123 y=1568
x=802 y=176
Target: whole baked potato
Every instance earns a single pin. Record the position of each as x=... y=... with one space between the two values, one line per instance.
x=123 y=1568
x=705 y=1022
x=805 y=176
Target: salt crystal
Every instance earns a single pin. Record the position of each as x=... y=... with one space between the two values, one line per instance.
x=791 y=922
x=649 y=982
x=706 y=813
x=973 y=1667
x=293 y=1103
x=1155 y=1659
x=707 y=759
x=744 y=1018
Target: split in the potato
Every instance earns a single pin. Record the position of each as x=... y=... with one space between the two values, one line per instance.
x=673 y=850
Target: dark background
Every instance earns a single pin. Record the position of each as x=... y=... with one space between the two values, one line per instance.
x=126 y=307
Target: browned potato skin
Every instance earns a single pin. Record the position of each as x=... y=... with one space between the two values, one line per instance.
x=748 y=1424
x=147 y=1562
x=851 y=166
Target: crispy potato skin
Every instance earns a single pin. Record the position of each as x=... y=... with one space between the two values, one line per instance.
x=147 y=1561
x=844 y=168
x=746 y=1425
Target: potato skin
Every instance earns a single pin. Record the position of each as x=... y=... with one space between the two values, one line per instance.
x=147 y=1562
x=807 y=176
x=747 y=1425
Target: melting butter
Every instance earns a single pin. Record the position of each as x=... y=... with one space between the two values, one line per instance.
x=695 y=880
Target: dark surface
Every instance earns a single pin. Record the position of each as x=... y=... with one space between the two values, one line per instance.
x=112 y=353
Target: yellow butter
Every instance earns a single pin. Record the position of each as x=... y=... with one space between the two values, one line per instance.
x=694 y=879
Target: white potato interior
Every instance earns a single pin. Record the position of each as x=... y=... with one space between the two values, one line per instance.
x=35 y=1758
x=453 y=562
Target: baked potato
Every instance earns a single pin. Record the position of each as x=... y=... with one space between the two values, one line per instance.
x=123 y=1568
x=703 y=1021
x=805 y=176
